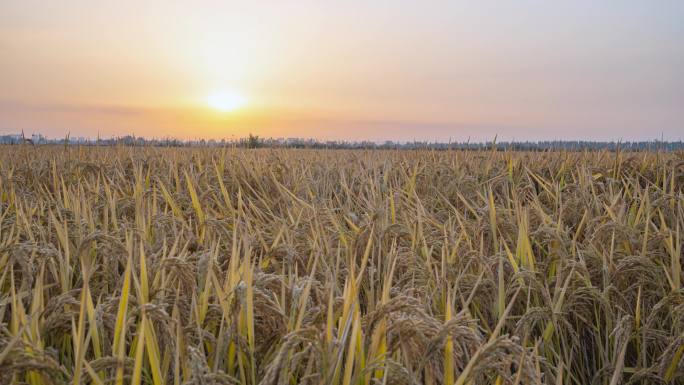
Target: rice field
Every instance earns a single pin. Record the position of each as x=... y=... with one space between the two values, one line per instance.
x=132 y=265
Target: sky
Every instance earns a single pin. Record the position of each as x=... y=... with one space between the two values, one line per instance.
x=344 y=70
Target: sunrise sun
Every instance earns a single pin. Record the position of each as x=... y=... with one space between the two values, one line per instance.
x=226 y=101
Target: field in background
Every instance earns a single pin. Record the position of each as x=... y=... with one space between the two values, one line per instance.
x=219 y=266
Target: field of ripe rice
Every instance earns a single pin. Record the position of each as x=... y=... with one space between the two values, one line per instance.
x=123 y=265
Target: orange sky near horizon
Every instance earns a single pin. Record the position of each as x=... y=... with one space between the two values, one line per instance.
x=394 y=70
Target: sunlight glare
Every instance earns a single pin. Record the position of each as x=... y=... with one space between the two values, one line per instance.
x=226 y=101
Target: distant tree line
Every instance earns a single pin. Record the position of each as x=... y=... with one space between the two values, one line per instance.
x=254 y=141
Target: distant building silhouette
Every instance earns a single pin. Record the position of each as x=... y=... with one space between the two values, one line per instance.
x=254 y=141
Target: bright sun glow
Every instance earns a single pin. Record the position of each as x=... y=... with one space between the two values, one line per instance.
x=226 y=101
